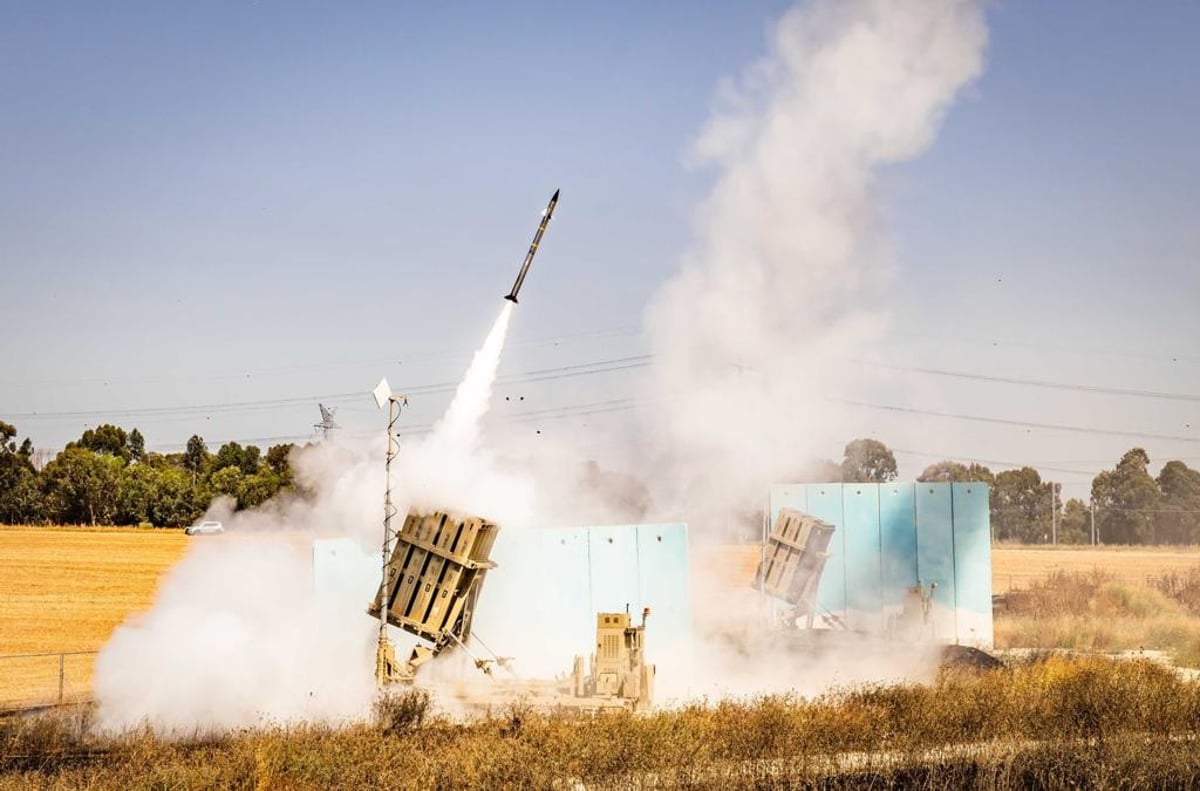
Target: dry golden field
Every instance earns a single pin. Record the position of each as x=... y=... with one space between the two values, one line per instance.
x=1015 y=567
x=67 y=589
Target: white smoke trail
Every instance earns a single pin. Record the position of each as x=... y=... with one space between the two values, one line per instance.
x=459 y=427
x=451 y=470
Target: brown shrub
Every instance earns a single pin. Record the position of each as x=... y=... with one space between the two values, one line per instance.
x=1092 y=611
x=1009 y=728
x=400 y=710
x=1183 y=587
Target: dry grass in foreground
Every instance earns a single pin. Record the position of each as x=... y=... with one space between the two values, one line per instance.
x=1096 y=611
x=1056 y=722
x=67 y=589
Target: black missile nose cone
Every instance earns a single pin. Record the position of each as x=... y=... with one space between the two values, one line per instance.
x=555 y=198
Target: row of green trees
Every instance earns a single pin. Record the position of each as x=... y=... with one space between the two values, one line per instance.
x=1127 y=506
x=107 y=477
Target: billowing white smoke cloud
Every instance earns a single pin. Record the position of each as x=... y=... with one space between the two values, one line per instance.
x=781 y=288
x=238 y=636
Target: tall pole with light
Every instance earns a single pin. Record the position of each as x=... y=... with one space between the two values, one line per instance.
x=384 y=654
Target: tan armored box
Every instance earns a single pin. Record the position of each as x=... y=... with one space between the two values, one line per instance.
x=435 y=573
x=794 y=558
x=619 y=668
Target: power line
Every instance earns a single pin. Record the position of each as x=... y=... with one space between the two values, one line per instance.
x=625 y=404
x=1103 y=508
x=235 y=406
x=990 y=461
x=554 y=413
x=250 y=373
x=1018 y=423
x=555 y=340
x=545 y=374
x=1045 y=347
x=1105 y=461
x=622 y=364
x=539 y=375
x=581 y=369
x=1034 y=382
x=167 y=447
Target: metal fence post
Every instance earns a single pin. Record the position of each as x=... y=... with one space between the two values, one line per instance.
x=16 y=697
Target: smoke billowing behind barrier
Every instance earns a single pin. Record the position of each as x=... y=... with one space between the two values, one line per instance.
x=781 y=287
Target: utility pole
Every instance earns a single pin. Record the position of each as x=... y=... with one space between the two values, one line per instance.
x=1053 y=515
x=1093 y=509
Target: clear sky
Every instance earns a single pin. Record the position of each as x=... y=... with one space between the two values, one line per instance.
x=212 y=204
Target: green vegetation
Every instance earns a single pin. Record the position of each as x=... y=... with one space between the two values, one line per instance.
x=868 y=461
x=1094 y=611
x=1051 y=723
x=1131 y=506
x=106 y=477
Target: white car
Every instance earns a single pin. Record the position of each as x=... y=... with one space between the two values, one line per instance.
x=205 y=529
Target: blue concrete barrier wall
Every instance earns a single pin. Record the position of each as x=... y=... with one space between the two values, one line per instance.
x=539 y=605
x=893 y=536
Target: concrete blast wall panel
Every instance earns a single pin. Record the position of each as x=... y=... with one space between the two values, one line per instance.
x=895 y=536
x=539 y=604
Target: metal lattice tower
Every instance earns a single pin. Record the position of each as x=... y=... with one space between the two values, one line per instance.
x=327 y=425
x=395 y=403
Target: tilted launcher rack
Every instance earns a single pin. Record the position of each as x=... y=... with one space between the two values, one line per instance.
x=431 y=586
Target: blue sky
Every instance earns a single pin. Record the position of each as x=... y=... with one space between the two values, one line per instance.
x=232 y=202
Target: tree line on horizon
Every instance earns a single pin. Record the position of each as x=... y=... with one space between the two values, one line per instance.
x=1128 y=504
x=107 y=477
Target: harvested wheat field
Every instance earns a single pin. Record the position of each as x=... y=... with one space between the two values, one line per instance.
x=1013 y=567
x=1016 y=567
x=65 y=589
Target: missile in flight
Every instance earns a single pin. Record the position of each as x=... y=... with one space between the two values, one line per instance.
x=537 y=239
